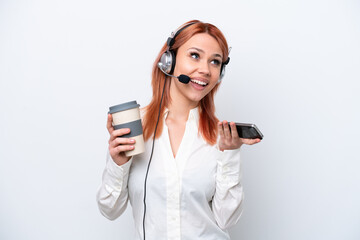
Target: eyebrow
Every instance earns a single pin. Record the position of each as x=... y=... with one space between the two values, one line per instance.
x=202 y=51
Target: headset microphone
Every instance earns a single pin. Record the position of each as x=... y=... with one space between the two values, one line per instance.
x=182 y=78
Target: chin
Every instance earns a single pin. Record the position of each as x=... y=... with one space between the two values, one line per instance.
x=196 y=98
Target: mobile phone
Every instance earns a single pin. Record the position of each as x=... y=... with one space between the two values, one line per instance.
x=248 y=130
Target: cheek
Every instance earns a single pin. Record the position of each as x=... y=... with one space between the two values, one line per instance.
x=184 y=67
x=216 y=71
x=215 y=75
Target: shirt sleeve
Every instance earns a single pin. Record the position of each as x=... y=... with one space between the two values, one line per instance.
x=112 y=195
x=228 y=197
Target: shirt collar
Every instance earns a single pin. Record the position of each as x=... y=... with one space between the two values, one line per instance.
x=194 y=114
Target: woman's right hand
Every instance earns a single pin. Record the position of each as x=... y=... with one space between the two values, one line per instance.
x=117 y=144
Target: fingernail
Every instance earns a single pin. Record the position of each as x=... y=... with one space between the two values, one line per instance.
x=132 y=140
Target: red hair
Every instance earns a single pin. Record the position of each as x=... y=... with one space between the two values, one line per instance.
x=208 y=120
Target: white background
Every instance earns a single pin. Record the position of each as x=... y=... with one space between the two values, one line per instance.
x=294 y=71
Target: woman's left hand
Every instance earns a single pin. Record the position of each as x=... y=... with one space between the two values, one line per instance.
x=230 y=139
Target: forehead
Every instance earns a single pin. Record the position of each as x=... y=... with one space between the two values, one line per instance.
x=203 y=41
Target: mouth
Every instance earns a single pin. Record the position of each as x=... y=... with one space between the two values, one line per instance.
x=199 y=82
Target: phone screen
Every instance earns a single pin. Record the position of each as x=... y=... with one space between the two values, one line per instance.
x=248 y=131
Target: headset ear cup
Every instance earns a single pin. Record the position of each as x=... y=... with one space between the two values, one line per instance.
x=166 y=61
x=222 y=72
x=222 y=69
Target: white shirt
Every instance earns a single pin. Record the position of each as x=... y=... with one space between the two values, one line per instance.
x=196 y=195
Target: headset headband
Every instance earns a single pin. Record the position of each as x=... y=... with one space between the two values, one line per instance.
x=171 y=40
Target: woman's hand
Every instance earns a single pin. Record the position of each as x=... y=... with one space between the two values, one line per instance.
x=230 y=140
x=118 y=145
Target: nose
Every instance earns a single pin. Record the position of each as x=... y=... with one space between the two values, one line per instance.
x=204 y=68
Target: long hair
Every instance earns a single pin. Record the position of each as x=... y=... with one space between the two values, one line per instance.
x=208 y=120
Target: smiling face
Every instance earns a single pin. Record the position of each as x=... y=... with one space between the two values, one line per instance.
x=199 y=58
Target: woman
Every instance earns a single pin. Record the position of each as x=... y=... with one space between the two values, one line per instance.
x=193 y=187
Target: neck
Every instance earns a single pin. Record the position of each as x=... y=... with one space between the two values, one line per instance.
x=180 y=107
x=179 y=112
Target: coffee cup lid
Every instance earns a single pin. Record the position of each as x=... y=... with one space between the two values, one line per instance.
x=123 y=107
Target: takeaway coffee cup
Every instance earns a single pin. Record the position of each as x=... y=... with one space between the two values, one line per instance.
x=127 y=115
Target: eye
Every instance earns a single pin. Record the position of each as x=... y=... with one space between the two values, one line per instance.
x=195 y=55
x=216 y=62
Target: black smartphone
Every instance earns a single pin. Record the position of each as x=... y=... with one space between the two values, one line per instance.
x=248 y=130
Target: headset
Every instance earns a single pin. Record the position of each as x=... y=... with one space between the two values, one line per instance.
x=168 y=58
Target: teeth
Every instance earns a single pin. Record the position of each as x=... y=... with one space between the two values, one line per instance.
x=199 y=82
